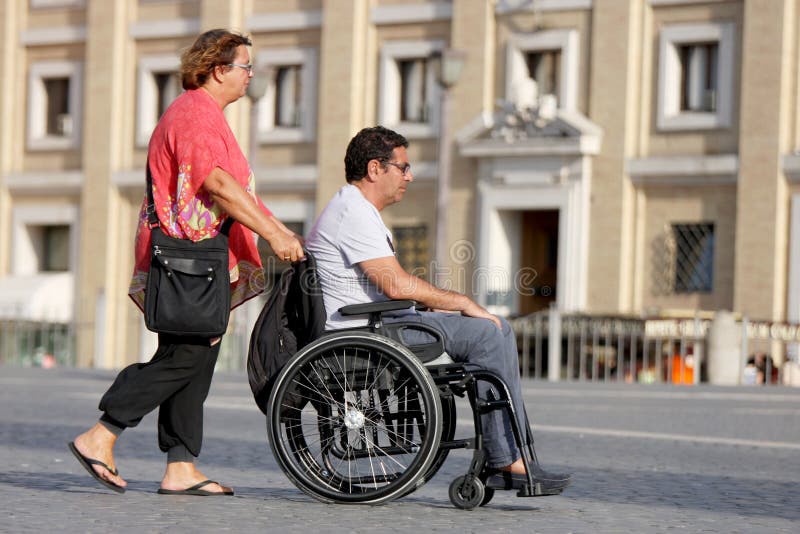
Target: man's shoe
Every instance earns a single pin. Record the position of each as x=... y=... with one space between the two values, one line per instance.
x=545 y=483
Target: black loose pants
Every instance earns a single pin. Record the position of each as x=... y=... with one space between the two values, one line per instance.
x=176 y=380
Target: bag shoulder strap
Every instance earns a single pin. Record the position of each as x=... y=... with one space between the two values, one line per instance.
x=152 y=217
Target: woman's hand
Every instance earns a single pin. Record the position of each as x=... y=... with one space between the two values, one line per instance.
x=286 y=246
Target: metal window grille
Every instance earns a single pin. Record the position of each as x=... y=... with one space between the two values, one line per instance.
x=693 y=246
x=411 y=246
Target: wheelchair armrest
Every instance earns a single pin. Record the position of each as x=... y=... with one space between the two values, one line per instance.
x=376 y=307
x=426 y=352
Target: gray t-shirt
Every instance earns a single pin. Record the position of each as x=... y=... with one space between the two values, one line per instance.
x=348 y=231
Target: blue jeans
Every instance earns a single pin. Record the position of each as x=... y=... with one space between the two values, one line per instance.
x=479 y=344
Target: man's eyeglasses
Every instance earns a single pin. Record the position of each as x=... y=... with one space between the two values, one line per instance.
x=248 y=67
x=405 y=168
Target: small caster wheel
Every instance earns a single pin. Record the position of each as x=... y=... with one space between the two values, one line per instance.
x=467 y=492
x=487 y=496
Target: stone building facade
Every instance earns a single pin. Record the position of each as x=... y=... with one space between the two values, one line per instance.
x=608 y=156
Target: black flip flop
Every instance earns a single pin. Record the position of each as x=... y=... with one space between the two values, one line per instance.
x=87 y=464
x=195 y=490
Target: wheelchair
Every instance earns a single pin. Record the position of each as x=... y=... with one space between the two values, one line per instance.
x=356 y=416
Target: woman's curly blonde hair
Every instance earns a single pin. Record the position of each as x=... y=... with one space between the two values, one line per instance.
x=212 y=49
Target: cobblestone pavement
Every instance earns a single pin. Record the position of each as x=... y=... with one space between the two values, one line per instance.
x=645 y=459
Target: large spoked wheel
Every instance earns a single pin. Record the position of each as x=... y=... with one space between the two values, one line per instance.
x=355 y=418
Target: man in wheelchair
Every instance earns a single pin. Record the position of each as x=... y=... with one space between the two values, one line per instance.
x=356 y=264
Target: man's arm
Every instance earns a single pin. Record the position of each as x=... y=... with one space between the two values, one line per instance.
x=394 y=282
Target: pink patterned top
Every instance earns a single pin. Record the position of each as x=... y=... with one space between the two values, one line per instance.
x=190 y=140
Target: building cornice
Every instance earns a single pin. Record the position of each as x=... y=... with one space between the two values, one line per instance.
x=684 y=170
x=411 y=14
x=660 y=3
x=510 y=6
x=48 y=4
x=61 y=35
x=161 y=29
x=45 y=183
x=284 y=22
x=568 y=133
x=540 y=146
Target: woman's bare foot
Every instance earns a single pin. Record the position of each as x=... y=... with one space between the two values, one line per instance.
x=182 y=475
x=97 y=443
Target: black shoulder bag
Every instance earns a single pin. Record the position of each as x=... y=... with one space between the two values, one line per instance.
x=188 y=289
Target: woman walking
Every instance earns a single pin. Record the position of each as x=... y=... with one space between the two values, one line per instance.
x=200 y=178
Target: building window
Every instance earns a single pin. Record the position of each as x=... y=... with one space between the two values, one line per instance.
x=167 y=90
x=694 y=257
x=544 y=67
x=44 y=238
x=54 y=254
x=411 y=248
x=54 y=105
x=699 y=77
x=159 y=84
x=288 y=91
x=409 y=94
x=414 y=74
x=59 y=122
x=287 y=111
x=548 y=57
x=695 y=87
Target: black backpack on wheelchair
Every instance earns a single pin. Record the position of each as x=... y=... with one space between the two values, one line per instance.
x=356 y=416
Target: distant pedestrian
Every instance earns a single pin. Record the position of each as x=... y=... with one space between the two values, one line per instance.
x=200 y=179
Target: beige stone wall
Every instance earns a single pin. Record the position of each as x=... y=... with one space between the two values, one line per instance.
x=521 y=23
x=664 y=206
x=610 y=100
x=704 y=142
x=39 y=160
x=10 y=69
x=106 y=55
x=474 y=31
x=762 y=227
x=281 y=6
x=156 y=11
x=51 y=17
x=342 y=102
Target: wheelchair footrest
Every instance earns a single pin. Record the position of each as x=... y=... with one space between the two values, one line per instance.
x=524 y=489
x=538 y=490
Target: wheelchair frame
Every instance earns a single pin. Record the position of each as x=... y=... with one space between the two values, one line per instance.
x=409 y=398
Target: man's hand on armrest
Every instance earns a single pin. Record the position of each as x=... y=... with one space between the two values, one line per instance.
x=393 y=281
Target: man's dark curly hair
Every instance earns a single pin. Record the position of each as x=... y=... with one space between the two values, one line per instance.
x=368 y=144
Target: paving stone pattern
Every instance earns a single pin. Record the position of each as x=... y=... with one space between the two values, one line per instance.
x=645 y=459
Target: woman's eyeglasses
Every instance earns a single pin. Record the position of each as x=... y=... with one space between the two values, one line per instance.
x=248 y=67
